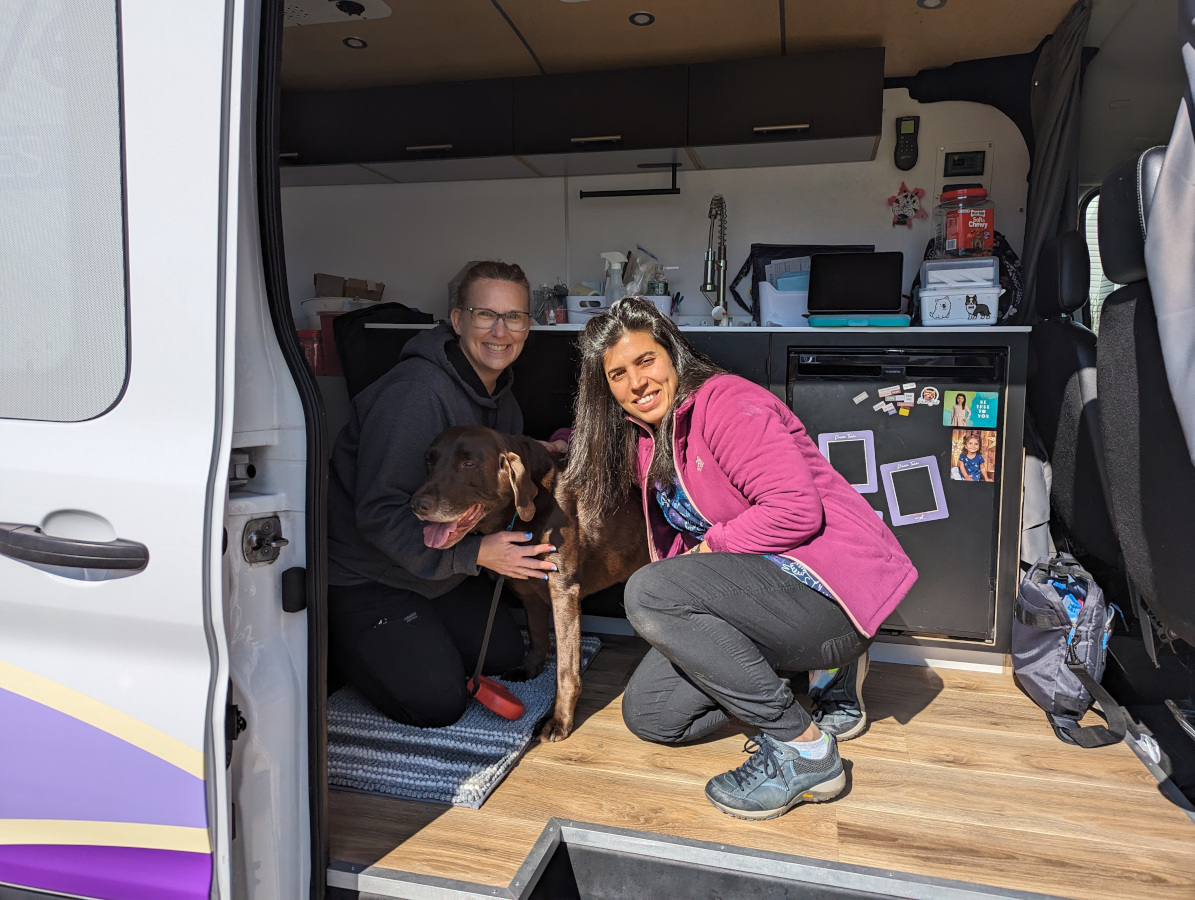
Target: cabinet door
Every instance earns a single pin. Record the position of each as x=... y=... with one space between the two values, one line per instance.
x=631 y=109
x=813 y=96
x=426 y=121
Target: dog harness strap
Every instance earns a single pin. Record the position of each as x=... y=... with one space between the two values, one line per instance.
x=475 y=683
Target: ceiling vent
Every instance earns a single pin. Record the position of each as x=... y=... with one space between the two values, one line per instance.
x=321 y=12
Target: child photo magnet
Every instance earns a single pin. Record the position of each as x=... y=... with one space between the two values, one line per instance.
x=913 y=488
x=972 y=455
x=970 y=409
x=853 y=455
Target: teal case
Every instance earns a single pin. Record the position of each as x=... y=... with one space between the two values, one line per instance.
x=863 y=320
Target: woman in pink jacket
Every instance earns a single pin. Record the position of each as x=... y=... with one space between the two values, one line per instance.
x=765 y=559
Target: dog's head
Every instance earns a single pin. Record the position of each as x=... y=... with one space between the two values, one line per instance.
x=972 y=299
x=475 y=477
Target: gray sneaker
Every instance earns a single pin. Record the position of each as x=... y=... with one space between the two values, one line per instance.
x=775 y=779
x=838 y=704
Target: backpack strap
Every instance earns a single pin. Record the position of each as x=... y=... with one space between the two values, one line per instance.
x=1118 y=720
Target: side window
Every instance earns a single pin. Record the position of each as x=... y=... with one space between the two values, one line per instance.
x=63 y=311
x=1101 y=287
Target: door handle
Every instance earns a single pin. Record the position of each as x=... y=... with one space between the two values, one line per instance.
x=28 y=543
x=597 y=139
x=768 y=129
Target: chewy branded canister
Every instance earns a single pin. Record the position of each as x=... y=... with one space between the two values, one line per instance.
x=964 y=222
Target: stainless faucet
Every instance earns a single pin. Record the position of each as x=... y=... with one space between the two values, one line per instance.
x=715 y=262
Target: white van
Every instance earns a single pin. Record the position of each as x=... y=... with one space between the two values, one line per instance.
x=164 y=442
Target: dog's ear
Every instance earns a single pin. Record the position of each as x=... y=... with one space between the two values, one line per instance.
x=523 y=485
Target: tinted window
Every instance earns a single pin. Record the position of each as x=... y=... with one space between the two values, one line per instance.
x=63 y=353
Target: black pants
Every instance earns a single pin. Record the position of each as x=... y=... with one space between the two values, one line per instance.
x=410 y=656
x=720 y=624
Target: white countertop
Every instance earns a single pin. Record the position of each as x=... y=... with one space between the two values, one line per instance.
x=776 y=329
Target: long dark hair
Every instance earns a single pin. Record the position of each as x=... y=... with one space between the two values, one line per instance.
x=602 y=461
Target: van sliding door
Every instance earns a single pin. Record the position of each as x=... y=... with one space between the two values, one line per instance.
x=116 y=283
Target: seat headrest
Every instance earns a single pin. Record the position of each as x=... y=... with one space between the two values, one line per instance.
x=1125 y=199
x=1063 y=275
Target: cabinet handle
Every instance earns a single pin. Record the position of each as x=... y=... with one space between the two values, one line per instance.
x=598 y=139
x=424 y=148
x=765 y=129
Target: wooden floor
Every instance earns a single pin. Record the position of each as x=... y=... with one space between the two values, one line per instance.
x=958 y=777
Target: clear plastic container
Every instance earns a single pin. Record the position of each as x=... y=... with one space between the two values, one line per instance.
x=964 y=222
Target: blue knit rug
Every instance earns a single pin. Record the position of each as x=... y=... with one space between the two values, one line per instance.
x=460 y=764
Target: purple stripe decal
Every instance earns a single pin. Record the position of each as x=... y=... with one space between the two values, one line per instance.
x=53 y=766
x=108 y=873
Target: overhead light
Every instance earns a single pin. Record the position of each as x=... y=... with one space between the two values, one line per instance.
x=931 y=4
x=642 y=18
x=355 y=43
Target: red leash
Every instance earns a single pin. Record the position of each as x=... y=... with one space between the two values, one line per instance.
x=489 y=693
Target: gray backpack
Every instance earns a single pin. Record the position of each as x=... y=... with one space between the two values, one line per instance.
x=1059 y=645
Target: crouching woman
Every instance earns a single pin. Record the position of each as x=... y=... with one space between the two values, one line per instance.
x=765 y=558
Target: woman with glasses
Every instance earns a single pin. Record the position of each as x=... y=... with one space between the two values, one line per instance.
x=406 y=619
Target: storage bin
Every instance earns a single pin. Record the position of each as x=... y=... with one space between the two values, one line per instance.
x=960 y=291
x=960 y=306
x=782 y=307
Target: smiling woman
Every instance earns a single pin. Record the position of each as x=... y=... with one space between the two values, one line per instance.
x=406 y=606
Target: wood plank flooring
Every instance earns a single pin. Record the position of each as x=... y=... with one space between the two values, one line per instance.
x=958 y=777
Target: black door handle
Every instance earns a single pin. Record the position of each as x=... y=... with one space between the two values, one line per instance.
x=29 y=543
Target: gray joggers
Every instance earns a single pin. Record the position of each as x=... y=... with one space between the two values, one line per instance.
x=720 y=625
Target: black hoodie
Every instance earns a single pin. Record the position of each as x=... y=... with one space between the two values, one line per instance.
x=378 y=464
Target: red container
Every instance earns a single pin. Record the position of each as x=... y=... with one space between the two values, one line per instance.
x=964 y=222
x=330 y=360
x=311 y=342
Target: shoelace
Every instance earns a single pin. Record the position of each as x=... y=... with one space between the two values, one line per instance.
x=763 y=758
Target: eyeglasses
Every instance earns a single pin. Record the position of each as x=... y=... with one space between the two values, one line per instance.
x=487 y=318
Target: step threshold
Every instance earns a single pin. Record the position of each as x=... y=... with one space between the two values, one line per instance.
x=576 y=859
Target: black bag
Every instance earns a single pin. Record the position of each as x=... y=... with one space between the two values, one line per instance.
x=762 y=254
x=366 y=354
x=1060 y=630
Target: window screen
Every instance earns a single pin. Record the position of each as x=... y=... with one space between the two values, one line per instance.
x=1100 y=287
x=63 y=351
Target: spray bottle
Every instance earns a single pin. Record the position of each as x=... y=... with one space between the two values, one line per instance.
x=614 y=287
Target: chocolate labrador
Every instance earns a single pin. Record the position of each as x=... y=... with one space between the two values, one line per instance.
x=479 y=481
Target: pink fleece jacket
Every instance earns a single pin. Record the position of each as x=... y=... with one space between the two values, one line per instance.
x=749 y=468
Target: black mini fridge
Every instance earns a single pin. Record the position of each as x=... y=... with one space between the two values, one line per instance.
x=920 y=434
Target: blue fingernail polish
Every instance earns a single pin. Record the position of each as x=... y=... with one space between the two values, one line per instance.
x=545 y=576
x=528 y=534
x=553 y=548
x=554 y=569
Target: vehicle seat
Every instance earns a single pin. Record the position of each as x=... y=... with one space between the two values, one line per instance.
x=1150 y=474
x=1062 y=399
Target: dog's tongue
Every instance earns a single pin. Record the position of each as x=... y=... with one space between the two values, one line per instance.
x=435 y=534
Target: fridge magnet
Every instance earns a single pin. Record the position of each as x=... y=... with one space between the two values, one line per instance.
x=904 y=410
x=971 y=409
x=909 y=386
x=913 y=488
x=929 y=397
x=890 y=409
x=853 y=456
x=879 y=407
x=859 y=398
x=889 y=391
x=906 y=206
x=973 y=455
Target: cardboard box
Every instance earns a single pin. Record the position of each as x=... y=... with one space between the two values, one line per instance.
x=336 y=286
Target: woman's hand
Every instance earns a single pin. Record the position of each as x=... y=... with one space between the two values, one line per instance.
x=703 y=547
x=507 y=554
x=555 y=446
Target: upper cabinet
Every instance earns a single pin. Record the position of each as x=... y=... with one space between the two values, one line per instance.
x=787 y=110
x=415 y=122
x=783 y=110
x=629 y=109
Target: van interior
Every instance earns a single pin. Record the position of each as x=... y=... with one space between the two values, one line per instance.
x=398 y=142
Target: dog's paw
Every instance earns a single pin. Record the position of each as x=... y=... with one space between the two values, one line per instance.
x=555 y=730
